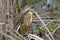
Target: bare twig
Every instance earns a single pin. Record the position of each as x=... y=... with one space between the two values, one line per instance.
x=56 y=29
x=48 y=36
x=18 y=28
x=19 y=34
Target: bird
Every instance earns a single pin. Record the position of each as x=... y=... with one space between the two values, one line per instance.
x=27 y=21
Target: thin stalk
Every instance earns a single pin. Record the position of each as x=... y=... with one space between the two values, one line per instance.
x=7 y=35
x=13 y=34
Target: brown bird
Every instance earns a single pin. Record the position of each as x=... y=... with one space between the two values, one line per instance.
x=27 y=21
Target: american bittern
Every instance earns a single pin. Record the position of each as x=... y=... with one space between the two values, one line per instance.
x=27 y=21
